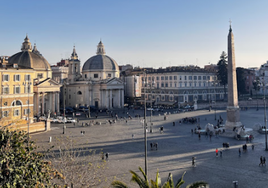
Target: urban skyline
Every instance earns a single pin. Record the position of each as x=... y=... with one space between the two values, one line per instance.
x=144 y=34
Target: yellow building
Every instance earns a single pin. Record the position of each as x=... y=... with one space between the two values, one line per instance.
x=27 y=87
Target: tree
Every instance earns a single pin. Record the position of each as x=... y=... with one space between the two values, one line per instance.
x=241 y=86
x=222 y=72
x=144 y=182
x=81 y=166
x=21 y=165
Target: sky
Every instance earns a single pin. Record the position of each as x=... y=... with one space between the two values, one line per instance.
x=145 y=33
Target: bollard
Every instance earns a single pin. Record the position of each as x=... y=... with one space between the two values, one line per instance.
x=50 y=139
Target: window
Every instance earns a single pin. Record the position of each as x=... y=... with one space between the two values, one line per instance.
x=85 y=75
x=79 y=93
x=190 y=78
x=16 y=103
x=27 y=111
x=157 y=78
x=170 y=84
x=204 y=77
x=162 y=84
x=5 y=103
x=166 y=77
x=5 y=114
x=69 y=96
x=195 y=77
x=109 y=75
x=199 y=78
x=17 y=90
x=170 y=77
x=5 y=90
x=5 y=77
x=175 y=77
x=166 y=84
x=149 y=78
x=96 y=75
x=162 y=77
x=180 y=84
x=27 y=102
x=16 y=112
x=27 y=89
x=39 y=75
x=175 y=84
x=170 y=98
x=27 y=77
x=208 y=77
x=162 y=98
x=157 y=85
x=185 y=77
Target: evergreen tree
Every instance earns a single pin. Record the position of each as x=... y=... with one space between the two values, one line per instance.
x=222 y=72
x=21 y=165
x=241 y=86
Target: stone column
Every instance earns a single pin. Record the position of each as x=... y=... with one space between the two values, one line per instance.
x=53 y=102
x=118 y=98
x=58 y=102
x=37 y=103
x=43 y=103
x=106 y=99
x=122 y=98
x=111 y=96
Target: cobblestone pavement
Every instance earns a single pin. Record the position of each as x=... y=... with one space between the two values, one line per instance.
x=176 y=147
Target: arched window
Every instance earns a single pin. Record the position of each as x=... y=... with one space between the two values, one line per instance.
x=79 y=93
x=16 y=103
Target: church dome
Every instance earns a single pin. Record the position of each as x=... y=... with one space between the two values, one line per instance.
x=100 y=61
x=29 y=58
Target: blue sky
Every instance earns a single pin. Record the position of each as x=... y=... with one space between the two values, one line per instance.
x=156 y=33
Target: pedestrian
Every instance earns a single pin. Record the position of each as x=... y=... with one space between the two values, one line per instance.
x=252 y=146
x=217 y=152
x=156 y=145
x=210 y=135
x=173 y=123
x=107 y=155
x=239 y=151
x=151 y=144
x=192 y=131
x=193 y=161
x=199 y=136
x=102 y=156
x=261 y=162
x=221 y=153
x=132 y=136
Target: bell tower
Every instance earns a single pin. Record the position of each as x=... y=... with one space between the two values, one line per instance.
x=74 y=66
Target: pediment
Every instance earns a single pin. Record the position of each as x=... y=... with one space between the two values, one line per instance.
x=115 y=81
x=48 y=83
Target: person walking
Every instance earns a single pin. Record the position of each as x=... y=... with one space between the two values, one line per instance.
x=199 y=136
x=239 y=151
x=217 y=152
x=252 y=146
x=261 y=162
x=220 y=153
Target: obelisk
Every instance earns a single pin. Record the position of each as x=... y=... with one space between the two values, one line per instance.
x=233 y=113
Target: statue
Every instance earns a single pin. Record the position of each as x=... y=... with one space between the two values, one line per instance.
x=48 y=114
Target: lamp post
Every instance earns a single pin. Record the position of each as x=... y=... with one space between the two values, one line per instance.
x=27 y=85
x=64 y=93
x=151 y=101
x=265 y=118
x=145 y=123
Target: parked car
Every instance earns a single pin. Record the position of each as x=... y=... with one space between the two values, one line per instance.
x=70 y=120
x=83 y=108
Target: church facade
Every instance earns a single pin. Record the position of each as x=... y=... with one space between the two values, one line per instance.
x=98 y=83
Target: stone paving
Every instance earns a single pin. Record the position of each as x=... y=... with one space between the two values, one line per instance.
x=176 y=147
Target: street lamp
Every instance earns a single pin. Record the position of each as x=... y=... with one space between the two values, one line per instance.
x=145 y=123
x=64 y=93
x=27 y=85
x=151 y=85
x=265 y=118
